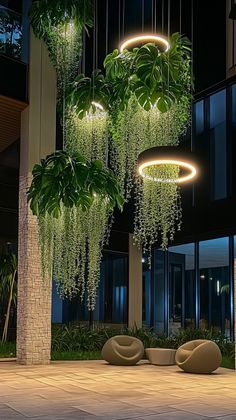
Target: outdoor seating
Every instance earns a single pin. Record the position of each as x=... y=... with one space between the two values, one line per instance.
x=123 y=350
x=199 y=356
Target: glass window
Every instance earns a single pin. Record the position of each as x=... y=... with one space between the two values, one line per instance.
x=214 y=285
x=10 y=32
x=199 y=117
x=182 y=281
x=159 y=291
x=111 y=306
x=146 y=316
x=218 y=145
x=234 y=104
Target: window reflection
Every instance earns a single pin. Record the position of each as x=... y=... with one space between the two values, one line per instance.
x=111 y=306
x=199 y=117
x=182 y=294
x=159 y=291
x=218 y=155
x=214 y=285
x=10 y=32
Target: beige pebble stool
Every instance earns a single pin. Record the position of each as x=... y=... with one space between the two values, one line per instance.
x=161 y=357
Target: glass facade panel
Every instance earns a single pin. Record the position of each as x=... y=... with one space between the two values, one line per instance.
x=159 y=291
x=182 y=293
x=218 y=155
x=111 y=307
x=10 y=32
x=199 y=117
x=214 y=285
x=146 y=315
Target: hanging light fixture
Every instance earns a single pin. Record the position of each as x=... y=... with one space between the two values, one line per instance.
x=167 y=155
x=160 y=41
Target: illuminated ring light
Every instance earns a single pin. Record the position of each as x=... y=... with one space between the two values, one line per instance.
x=157 y=39
x=167 y=155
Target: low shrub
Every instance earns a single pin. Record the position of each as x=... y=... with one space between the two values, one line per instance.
x=76 y=337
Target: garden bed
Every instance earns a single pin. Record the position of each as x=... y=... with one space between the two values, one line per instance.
x=79 y=342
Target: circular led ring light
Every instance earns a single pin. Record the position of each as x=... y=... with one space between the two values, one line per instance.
x=157 y=156
x=157 y=39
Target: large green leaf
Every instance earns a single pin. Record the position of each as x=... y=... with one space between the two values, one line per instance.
x=45 y=15
x=85 y=90
x=70 y=180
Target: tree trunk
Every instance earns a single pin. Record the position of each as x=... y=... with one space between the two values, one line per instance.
x=6 y=324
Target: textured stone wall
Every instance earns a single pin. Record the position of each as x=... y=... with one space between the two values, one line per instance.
x=34 y=293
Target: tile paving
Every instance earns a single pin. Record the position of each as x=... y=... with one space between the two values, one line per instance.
x=92 y=390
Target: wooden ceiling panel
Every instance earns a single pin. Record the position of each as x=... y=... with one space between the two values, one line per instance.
x=10 y=116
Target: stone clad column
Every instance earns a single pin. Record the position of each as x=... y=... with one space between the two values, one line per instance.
x=38 y=131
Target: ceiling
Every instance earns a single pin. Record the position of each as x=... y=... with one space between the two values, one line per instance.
x=10 y=117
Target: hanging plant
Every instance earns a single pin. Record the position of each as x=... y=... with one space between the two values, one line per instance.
x=69 y=180
x=59 y=24
x=147 y=95
x=73 y=199
x=90 y=229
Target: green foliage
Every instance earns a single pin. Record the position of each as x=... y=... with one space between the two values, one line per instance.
x=76 y=337
x=69 y=180
x=46 y=15
x=156 y=79
x=85 y=91
x=8 y=266
x=146 y=94
x=7 y=349
x=73 y=199
x=59 y=24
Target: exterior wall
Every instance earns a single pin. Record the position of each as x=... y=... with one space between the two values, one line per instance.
x=230 y=42
x=235 y=308
x=135 y=285
x=37 y=140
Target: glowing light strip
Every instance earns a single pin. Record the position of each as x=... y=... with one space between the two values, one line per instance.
x=147 y=38
x=157 y=162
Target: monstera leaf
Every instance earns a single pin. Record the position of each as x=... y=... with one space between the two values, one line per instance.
x=148 y=65
x=86 y=90
x=118 y=65
x=45 y=15
x=70 y=180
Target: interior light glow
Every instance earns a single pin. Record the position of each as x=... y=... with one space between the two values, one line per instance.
x=218 y=287
x=158 y=162
x=157 y=39
x=97 y=105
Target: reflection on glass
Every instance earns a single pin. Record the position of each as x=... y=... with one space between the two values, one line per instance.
x=199 y=117
x=159 y=291
x=181 y=286
x=111 y=306
x=146 y=316
x=10 y=32
x=218 y=145
x=214 y=285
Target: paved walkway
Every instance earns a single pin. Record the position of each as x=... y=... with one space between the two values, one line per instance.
x=94 y=390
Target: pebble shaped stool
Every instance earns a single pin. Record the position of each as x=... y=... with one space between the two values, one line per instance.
x=123 y=350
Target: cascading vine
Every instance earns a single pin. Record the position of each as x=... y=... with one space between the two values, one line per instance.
x=91 y=229
x=143 y=101
x=75 y=239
